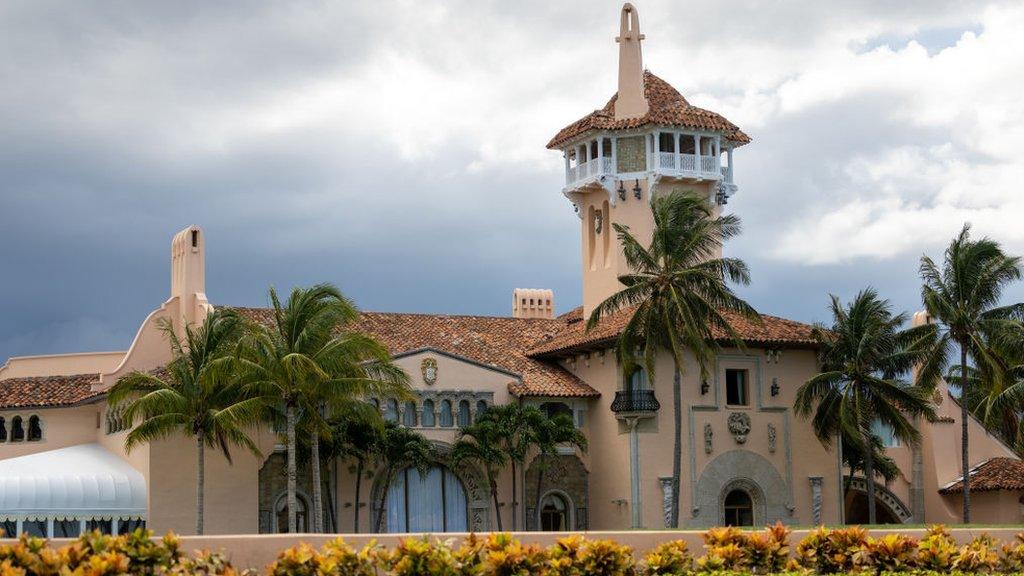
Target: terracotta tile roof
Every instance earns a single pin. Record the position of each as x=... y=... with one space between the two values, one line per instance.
x=990 y=475
x=666 y=107
x=494 y=341
x=47 y=391
x=574 y=336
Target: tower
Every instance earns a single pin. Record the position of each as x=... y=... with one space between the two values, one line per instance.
x=645 y=142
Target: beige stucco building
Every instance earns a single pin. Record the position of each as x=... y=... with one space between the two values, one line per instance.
x=746 y=458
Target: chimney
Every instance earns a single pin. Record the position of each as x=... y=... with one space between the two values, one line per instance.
x=188 y=275
x=533 y=303
x=631 y=102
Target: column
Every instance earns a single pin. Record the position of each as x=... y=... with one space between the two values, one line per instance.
x=696 y=153
x=718 y=154
x=679 y=150
x=657 y=149
x=600 y=155
x=615 y=157
x=568 y=179
x=666 y=499
x=816 y=482
x=647 y=150
x=728 y=152
x=636 y=499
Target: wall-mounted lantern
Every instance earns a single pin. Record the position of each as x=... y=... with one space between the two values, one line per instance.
x=775 y=387
x=704 y=387
x=636 y=189
x=622 y=191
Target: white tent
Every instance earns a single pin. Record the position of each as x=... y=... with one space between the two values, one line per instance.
x=78 y=487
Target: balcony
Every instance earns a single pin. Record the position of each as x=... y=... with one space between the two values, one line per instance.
x=633 y=401
x=589 y=170
x=688 y=166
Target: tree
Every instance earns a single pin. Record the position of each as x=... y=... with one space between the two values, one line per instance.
x=679 y=295
x=480 y=443
x=356 y=435
x=553 y=432
x=864 y=354
x=994 y=391
x=517 y=426
x=304 y=361
x=195 y=395
x=963 y=297
x=853 y=457
x=399 y=449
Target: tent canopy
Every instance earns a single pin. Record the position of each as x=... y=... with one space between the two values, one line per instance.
x=79 y=482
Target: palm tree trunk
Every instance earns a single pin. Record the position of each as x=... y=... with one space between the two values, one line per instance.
x=869 y=473
x=677 y=452
x=965 y=462
x=359 y=480
x=292 y=472
x=540 y=480
x=515 y=505
x=200 y=485
x=318 y=497
x=494 y=496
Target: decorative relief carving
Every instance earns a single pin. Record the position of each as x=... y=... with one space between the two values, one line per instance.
x=429 y=369
x=772 y=438
x=708 y=435
x=666 y=500
x=816 y=499
x=739 y=426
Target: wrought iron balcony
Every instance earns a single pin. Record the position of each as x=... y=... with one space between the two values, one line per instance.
x=635 y=401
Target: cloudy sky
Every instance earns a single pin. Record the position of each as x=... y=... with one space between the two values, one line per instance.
x=396 y=148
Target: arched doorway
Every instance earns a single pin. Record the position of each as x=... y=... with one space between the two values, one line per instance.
x=301 y=514
x=555 y=512
x=889 y=509
x=738 y=508
x=433 y=501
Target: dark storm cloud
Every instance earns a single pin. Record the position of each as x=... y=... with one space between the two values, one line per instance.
x=396 y=148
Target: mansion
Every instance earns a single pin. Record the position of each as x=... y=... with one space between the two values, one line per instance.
x=747 y=458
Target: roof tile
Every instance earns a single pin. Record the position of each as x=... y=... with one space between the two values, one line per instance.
x=47 y=391
x=990 y=475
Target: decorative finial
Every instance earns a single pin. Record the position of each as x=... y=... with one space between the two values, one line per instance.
x=631 y=102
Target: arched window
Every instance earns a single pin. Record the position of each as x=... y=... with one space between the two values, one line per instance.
x=739 y=509
x=554 y=514
x=3 y=429
x=446 y=414
x=301 y=524
x=481 y=407
x=427 y=420
x=35 y=429
x=17 y=429
x=464 y=416
x=409 y=415
x=552 y=409
x=431 y=502
x=637 y=380
x=391 y=410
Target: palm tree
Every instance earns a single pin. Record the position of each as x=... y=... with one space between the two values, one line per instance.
x=853 y=457
x=195 y=395
x=481 y=444
x=400 y=448
x=994 y=389
x=679 y=293
x=559 y=430
x=963 y=298
x=301 y=362
x=360 y=439
x=518 y=426
x=864 y=353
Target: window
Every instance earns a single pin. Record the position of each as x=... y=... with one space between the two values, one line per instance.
x=464 y=417
x=35 y=429
x=8 y=529
x=446 y=414
x=129 y=526
x=66 y=528
x=481 y=407
x=104 y=526
x=3 y=429
x=427 y=420
x=434 y=501
x=885 y=433
x=35 y=528
x=739 y=509
x=116 y=421
x=17 y=429
x=736 y=388
x=552 y=409
x=637 y=380
x=409 y=414
x=391 y=410
x=554 y=514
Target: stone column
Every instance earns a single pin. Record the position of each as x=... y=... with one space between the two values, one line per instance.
x=816 y=482
x=666 y=499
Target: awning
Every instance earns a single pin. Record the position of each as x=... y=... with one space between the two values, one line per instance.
x=81 y=482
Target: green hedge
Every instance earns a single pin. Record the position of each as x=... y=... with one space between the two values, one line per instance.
x=727 y=552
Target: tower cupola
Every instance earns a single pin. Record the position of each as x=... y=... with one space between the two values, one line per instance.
x=648 y=139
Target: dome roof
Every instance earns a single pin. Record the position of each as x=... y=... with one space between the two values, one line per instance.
x=667 y=107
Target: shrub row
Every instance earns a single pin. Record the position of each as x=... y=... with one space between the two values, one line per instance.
x=727 y=552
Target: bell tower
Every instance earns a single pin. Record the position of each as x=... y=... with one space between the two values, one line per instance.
x=647 y=141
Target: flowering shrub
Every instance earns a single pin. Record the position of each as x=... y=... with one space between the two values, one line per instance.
x=670 y=558
x=937 y=550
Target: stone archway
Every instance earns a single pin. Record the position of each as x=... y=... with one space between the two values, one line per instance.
x=273 y=483
x=740 y=470
x=563 y=474
x=478 y=496
x=888 y=506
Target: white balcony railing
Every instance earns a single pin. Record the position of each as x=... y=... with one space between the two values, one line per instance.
x=589 y=169
x=668 y=163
